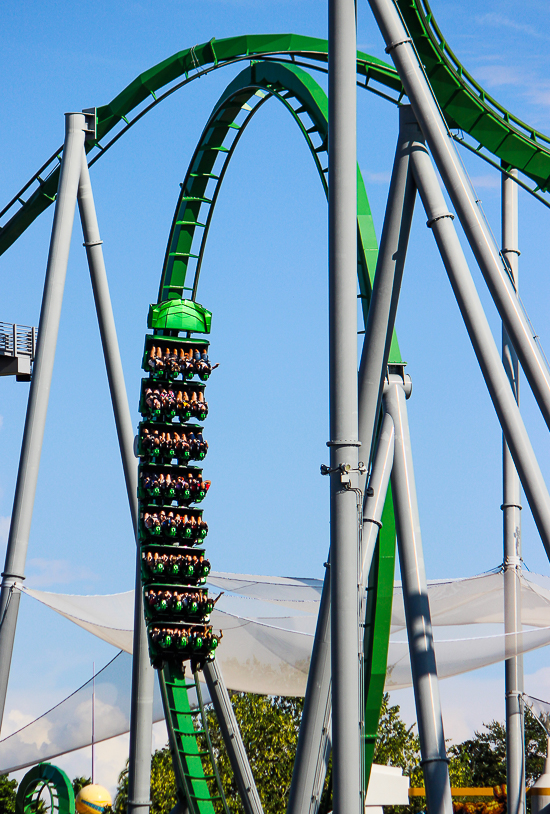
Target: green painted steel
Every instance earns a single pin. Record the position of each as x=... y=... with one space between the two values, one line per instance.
x=465 y=104
x=59 y=787
x=191 y=63
x=190 y=744
x=308 y=104
x=377 y=632
x=468 y=107
x=179 y=315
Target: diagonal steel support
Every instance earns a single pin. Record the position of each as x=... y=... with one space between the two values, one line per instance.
x=417 y=608
x=232 y=738
x=386 y=287
x=495 y=272
x=35 y=422
x=440 y=220
x=143 y=677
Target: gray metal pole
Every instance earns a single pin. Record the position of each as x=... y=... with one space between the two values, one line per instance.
x=511 y=507
x=109 y=340
x=313 y=750
x=387 y=285
x=29 y=462
x=310 y=763
x=488 y=356
x=442 y=147
x=417 y=608
x=343 y=441
x=232 y=738
x=143 y=677
x=374 y=502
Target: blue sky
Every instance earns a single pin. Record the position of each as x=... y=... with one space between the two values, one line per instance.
x=265 y=279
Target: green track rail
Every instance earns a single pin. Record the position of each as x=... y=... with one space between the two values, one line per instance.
x=45 y=777
x=307 y=103
x=276 y=71
x=466 y=106
x=190 y=745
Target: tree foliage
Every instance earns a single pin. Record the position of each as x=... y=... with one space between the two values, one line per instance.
x=485 y=753
x=163 y=782
x=163 y=785
x=8 y=793
x=120 y=803
x=79 y=783
x=269 y=727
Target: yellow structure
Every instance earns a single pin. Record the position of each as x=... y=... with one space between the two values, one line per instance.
x=93 y=799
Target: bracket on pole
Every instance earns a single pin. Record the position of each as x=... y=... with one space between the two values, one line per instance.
x=91 y=124
x=345 y=470
x=395 y=373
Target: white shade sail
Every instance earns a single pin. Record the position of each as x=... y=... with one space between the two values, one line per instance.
x=268 y=625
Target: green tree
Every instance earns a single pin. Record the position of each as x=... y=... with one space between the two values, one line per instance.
x=79 y=783
x=163 y=785
x=8 y=792
x=485 y=753
x=163 y=782
x=120 y=804
x=269 y=727
x=399 y=745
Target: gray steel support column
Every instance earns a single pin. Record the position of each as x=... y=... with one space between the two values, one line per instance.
x=141 y=714
x=511 y=507
x=313 y=750
x=441 y=223
x=343 y=406
x=232 y=738
x=310 y=763
x=417 y=608
x=29 y=462
x=387 y=285
x=442 y=147
x=373 y=505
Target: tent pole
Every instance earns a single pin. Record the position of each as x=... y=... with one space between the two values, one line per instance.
x=37 y=408
x=143 y=676
x=511 y=507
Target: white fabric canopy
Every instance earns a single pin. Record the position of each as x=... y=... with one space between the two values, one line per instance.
x=267 y=650
x=269 y=625
x=473 y=600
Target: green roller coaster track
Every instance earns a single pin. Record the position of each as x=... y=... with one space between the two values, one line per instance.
x=307 y=103
x=467 y=108
x=275 y=69
x=45 y=777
